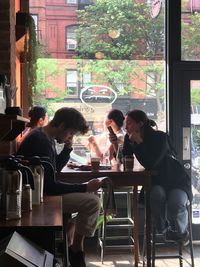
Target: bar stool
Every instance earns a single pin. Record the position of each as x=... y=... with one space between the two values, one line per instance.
x=120 y=224
x=66 y=218
x=178 y=244
x=62 y=240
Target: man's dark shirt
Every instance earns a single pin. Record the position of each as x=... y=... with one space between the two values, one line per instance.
x=37 y=143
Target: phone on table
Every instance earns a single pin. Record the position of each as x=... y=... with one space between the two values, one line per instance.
x=110 y=129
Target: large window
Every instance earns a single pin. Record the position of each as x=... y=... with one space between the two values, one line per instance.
x=190 y=34
x=113 y=54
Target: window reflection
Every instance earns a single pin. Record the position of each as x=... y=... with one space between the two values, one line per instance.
x=101 y=57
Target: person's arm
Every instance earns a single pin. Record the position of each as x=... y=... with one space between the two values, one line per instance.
x=53 y=186
x=63 y=158
x=128 y=147
x=93 y=146
x=152 y=150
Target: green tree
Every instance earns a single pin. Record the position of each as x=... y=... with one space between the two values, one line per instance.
x=191 y=46
x=47 y=71
x=136 y=46
x=137 y=35
x=195 y=96
x=190 y=37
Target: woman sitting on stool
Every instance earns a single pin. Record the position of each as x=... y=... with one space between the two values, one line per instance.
x=171 y=186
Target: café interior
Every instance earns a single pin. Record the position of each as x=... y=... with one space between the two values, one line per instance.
x=45 y=223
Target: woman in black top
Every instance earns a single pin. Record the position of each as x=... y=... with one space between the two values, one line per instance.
x=171 y=186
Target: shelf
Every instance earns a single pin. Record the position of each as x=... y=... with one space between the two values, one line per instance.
x=11 y=126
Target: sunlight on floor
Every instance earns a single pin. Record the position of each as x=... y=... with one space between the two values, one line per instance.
x=111 y=263
x=106 y=263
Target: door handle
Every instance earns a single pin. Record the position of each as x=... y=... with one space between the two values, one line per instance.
x=186 y=143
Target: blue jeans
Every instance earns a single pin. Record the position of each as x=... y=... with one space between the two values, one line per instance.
x=169 y=209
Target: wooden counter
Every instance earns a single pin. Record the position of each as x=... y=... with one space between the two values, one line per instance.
x=39 y=225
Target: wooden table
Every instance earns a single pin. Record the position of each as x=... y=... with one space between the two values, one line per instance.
x=39 y=225
x=119 y=178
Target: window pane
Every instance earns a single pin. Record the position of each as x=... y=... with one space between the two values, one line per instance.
x=71 y=82
x=71 y=1
x=71 y=38
x=108 y=55
x=190 y=32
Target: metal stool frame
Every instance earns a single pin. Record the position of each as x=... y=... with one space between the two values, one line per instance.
x=180 y=246
x=117 y=223
x=66 y=218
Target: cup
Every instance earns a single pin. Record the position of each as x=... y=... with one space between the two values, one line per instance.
x=128 y=163
x=95 y=162
x=88 y=158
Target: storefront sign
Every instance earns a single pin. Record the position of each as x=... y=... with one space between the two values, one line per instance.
x=98 y=94
x=90 y=113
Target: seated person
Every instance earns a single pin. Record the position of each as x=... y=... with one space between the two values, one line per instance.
x=114 y=119
x=76 y=197
x=171 y=186
x=38 y=118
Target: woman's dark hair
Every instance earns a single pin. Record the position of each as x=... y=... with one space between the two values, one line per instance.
x=71 y=118
x=35 y=113
x=3 y=79
x=117 y=116
x=140 y=116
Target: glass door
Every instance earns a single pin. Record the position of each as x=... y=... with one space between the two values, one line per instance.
x=187 y=120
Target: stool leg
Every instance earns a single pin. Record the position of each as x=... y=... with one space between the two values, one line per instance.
x=144 y=248
x=129 y=214
x=190 y=234
x=66 y=218
x=153 y=245
x=180 y=255
x=103 y=229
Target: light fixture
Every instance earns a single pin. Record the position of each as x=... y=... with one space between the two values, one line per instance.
x=114 y=33
x=99 y=55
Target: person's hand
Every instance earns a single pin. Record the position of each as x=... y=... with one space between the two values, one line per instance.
x=68 y=143
x=113 y=138
x=91 y=139
x=108 y=122
x=135 y=137
x=93 y=185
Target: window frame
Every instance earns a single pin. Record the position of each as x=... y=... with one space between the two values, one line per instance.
x=75 y=94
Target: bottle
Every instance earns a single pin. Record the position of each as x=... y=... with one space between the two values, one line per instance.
x=36 y=192
x=13 y=190
x=106 y=158
x=119 y=157
x=26 y=198
x=38 y=174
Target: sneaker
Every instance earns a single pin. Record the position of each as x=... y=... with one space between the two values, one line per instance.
x=185 y=239
x=177 y=237
x=76 y=259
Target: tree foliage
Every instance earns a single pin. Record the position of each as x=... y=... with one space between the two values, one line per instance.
x=191 y=37
x=47 y=72
x=132 y=54
x=137 y=34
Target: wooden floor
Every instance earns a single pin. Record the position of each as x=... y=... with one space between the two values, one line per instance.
x=125 y=258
